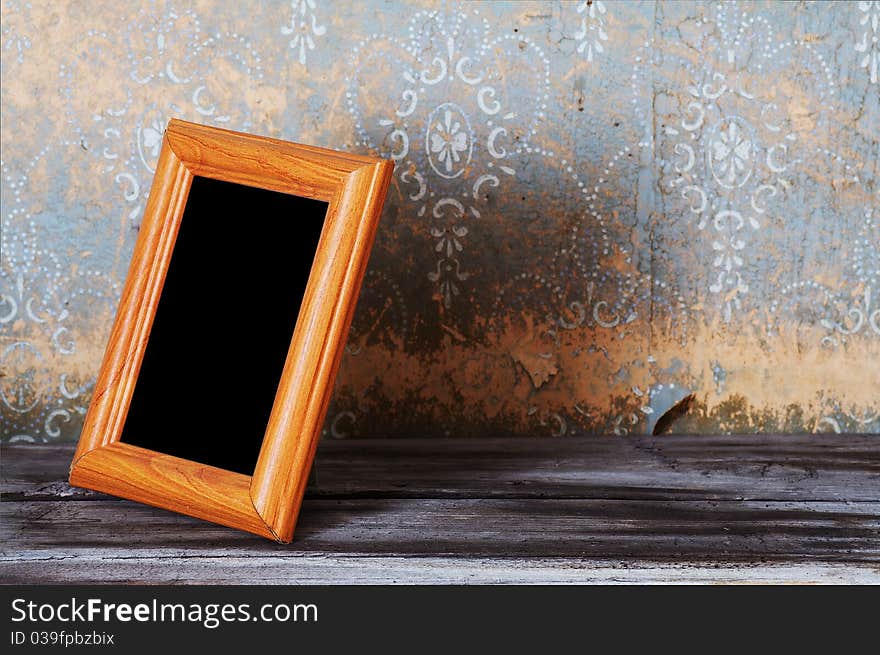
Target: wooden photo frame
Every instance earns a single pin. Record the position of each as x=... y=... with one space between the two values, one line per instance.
x=266 y=502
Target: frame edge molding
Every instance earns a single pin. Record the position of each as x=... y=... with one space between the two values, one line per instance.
x=267 y=503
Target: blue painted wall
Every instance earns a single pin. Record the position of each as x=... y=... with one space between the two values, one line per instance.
x=597 y=208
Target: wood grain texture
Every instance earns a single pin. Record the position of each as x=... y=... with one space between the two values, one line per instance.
x=355 y=188
x=476 y=527
x=187 y=567
x=742 y=508
x=164 y=481
x=306 y=385
x=753 y=467
x=261 y=161
x=137 y=305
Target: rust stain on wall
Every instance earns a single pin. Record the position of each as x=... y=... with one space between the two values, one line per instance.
x=597 y=209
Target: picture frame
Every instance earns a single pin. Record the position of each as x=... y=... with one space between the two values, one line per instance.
x=266 y=503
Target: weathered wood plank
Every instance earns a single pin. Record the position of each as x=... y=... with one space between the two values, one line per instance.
x=609 y=529
x=37 y=472
x=768 y=467
x=602 y=509
x=187 y=567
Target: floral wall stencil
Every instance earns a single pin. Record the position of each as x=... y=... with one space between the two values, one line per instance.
x=303 y=28
x=452 y=113
x=869 y=44
x=597 y=208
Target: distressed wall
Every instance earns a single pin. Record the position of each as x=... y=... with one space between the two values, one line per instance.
x=597 y=207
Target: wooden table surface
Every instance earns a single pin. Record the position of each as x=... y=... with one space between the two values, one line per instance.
x=593 y=509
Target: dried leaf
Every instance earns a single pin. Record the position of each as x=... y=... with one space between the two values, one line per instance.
x=679 y=409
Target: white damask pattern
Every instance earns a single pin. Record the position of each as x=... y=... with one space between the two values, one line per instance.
x=548 y=231
x=450 y=153
x=14 y=29
x=731 y=155
x=869 y=45
x=173 y=70
x=39 y=334
x=592 y=35
x=303 y=28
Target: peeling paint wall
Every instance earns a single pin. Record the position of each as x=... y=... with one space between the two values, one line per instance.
x=597 y=208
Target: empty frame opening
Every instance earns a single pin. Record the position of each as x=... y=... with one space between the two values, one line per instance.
x=224 y=322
